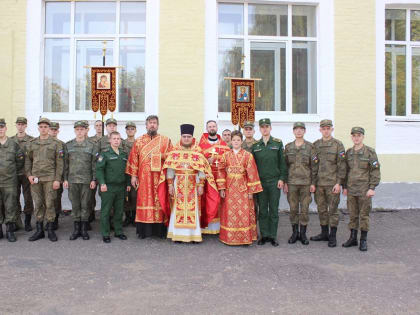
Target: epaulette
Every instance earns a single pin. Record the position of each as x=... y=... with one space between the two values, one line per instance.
x=277 y=139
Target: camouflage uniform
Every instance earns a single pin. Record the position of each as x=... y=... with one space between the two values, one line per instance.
x=92 y=202
x=58 y=201
x=247 y=146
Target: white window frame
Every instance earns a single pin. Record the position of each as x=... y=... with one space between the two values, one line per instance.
x=35 y=62
x=325 y=60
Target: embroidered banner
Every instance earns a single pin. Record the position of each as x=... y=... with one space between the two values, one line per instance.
x=242 y=100
x=104 y=92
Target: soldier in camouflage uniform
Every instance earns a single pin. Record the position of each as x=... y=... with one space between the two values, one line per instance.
x=54 y=130
x=300 y=184
x=363 y=176
x=330 y=174
x=103 y=143
x=23 y=184
x=249 y=136
x=98 y=131
x=79 y=178
x=131 y=201
x=44 y=165
x=12 y=160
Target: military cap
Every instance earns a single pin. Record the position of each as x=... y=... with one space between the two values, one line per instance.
x=80 y=123
x=86 y=123
x=249 y=124
x=326 y=123
x=357 y=130
x=22 y=120
x=43 y=120
x=110 y=121
x=299 y=124
x=130 y=124
x=265 y=121
x=54 y=125
x=2 y=122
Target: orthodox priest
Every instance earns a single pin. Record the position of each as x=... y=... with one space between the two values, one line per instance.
x=144 y=165
x=213 y=148
x=185 y=176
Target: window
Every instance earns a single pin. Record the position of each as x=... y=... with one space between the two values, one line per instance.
x=74 y=36
x=402 y=62
x=276 y=43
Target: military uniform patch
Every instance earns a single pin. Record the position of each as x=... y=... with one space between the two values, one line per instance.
x=342 y=154
x=315 y=159
x=375 y=164
x=61 y=153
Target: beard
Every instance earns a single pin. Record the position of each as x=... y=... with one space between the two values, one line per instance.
x=152 y=132
x=185 y=145
x=212 y=133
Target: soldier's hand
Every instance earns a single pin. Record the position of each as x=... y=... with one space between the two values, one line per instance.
x=66 y=184
x=104 y=188
x=345 y=192
x=128 y=188
x=336 y=189
x=200 y=190
x=135 y=182
x=286 y=188
x=370 y=193
x=280 y=184
x=92 y=184
x=56 y=185
x=312 y=189
x=171 y=189
x=31 y=180
x=222 y=193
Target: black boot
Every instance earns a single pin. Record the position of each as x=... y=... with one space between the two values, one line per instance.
x=28 y=226
x=332 y=240
x=295 y=234
x=363 y=241
x=54 y=224
x=39 y=232
x=1 y=231
x=323 y=236
x=262 y=241
x=85 y=234
x=76 y=231
x=274 y=242
x=352 y=241
x=51 y=234
x=303 y=238
x=10 y=235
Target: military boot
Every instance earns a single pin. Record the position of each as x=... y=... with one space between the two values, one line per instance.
x=303 y=238
x=10 y=235
x=76 y=232
x=51 y=234
x=39 y=232
x=332 y=239
x=1 y=231
x=85 y=234
x=28 y=226
x=323 y=236
x=295 y=234
x=352 y=241
x=363 y=241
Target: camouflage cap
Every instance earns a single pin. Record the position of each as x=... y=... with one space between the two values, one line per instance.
x=22 y=120
x=110 y=121
x=54 y=125
x=130 y=124
x=43 y=120
x=249 y=124
x=357 y=130
x=299 y=124
x=326 y=123
x=2 y=122
x=80 y=123
x=265 y=121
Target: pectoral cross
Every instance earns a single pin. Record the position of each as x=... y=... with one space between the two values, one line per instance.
x=217 y=162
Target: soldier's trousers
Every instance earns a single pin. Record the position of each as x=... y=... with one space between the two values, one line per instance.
x=268 y=206
x=57 y=203
x=8 y=204
x=113 y=198
x=299 y=196
x=25 y=186
x=327 y=204
x=359 y=208
x=80 y=195
x=44 y=197
x=92 y=200
x=131 y=202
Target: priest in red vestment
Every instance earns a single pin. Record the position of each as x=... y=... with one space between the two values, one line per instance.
x=144 y=165
x=213 y=148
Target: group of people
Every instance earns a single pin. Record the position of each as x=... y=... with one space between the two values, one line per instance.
x=180 y=191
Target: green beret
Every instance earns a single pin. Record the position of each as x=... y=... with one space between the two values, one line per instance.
x=54 y=125
x=299 y=124
x=110 y=121
x=130 y=124
x=265 y=121
x=80 y=123
x=44 y=120
x=2 y=122
x=22 y=120
x=357 y=130
x=249 y=124
x=326 y=123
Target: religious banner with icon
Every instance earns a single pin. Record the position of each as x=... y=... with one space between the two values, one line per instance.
x=104 y=91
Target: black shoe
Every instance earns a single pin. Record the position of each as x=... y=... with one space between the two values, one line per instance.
x=84 y=233
x=10 y=235
x=1 y=232
x=51 y=234
x=262 y=241
x=303 y=238
x=363 y=241
x=76 y=232
x=39 y=232
x=332 y=239
x=323 y=236
x=121 y=237
x=352 y=241
x=274 y=242
x=28 y=226
x=295 y=234
x=106 y=239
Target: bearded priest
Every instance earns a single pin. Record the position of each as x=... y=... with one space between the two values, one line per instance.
x=185 y=175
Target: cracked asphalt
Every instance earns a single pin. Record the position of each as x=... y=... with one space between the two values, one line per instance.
x=154 y=276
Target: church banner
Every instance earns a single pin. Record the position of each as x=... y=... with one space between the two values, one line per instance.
x=104 y=91
x=242 y=100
